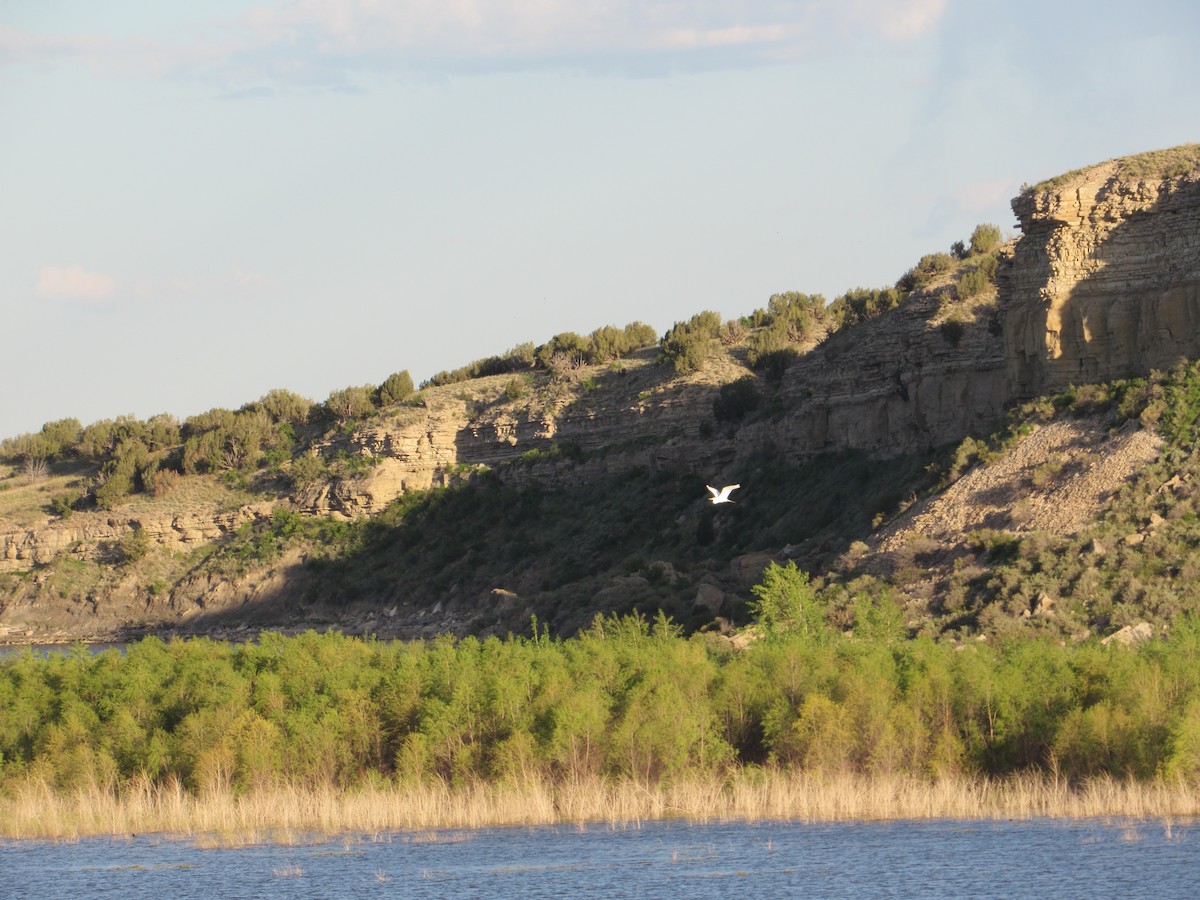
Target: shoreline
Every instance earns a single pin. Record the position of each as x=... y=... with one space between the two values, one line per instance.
x=295 y=814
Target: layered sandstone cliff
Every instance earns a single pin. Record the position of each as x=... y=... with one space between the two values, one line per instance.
x=1105 y=282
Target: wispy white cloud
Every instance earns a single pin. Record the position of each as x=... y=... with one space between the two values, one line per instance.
x=73 y=284
x=251 y=280
x=903 y=21
x=324 y=39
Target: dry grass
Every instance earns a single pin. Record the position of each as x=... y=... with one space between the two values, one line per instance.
x=292 y=814
x=24 y=501
x=1172 y=162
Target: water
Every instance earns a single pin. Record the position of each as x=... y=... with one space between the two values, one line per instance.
x=7 y=650
x=1046 y=858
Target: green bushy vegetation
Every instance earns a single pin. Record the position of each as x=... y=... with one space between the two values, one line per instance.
x=789 y=321
x=625 y=699
x=396 y=388
x=561 y=355
x=687 y=345
x=517 y=359
x=861 y=304
x=736 y=400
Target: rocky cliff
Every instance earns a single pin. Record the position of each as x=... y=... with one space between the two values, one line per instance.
x=1105 y=281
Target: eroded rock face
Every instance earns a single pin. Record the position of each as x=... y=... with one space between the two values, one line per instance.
x=1105 y=282
x=904 y=382
x=92 y=536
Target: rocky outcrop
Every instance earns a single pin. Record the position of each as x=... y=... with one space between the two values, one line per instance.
x=908 y=381
x=96 y=535
x=562 y=438
x=1105 y=282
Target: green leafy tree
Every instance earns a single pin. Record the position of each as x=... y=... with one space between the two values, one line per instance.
x=786 y=602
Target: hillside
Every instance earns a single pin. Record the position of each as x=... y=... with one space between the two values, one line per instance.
x=1001 y=442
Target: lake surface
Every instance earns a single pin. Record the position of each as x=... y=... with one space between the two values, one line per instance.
x=1043 y=858
x=7 y=650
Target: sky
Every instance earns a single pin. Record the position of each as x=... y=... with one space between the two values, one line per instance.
x=203 y=202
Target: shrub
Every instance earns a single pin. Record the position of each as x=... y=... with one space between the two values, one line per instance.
x=162 y=431
x=736 y=399
x=610 y=343
x=798 y=313
x=35 y=468
x=860 y=304
x=164 y=482
x=928 y=267
x=221 y=440
x=971 y=283
x=206 y=421
x=732 y=332
x=771 y=351
x=397 y=388
x=64 y=505
x=118 y=477
x=567 y=348
x=1181 y=406
x=54 y=441
x=687 y=345
x=283 y=406
x=519 y=357
x=351 y=403
x=516 y=388
x=985 y=238
x=134 y=545
x=307 y=471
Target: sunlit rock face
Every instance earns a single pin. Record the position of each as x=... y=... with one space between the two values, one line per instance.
x=903 y=382
x=1105 y=282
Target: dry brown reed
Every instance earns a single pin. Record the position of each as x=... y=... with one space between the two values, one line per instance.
x=287 y=813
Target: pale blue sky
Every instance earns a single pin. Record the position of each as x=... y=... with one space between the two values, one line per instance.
x=206 y=201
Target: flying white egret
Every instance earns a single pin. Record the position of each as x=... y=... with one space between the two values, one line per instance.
x=721 y=496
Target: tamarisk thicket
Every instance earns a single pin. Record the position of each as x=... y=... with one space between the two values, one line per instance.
x=625 y=700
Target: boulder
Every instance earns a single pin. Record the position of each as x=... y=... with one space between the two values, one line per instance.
x=1131 y=634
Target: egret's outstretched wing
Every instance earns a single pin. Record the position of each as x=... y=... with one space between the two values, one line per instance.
x=722 y=496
